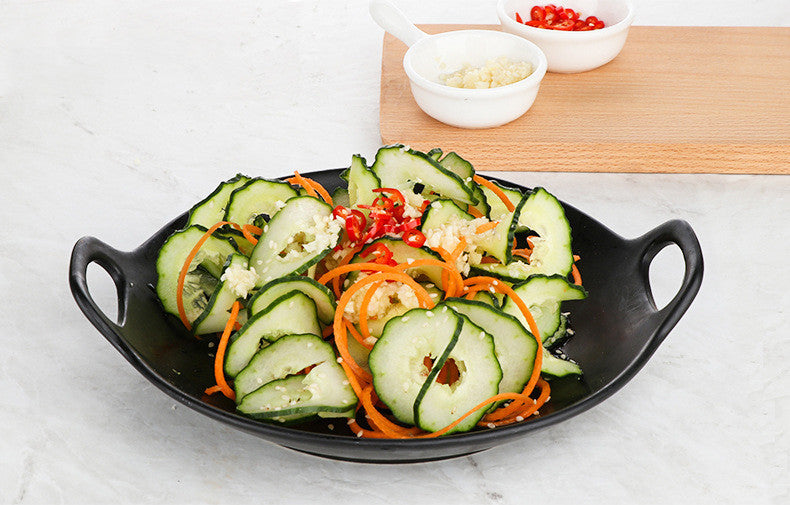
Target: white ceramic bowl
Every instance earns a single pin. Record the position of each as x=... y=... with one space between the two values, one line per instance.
x=570 y=52
x=431 y=56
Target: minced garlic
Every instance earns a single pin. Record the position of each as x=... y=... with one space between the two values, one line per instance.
x=496 y=72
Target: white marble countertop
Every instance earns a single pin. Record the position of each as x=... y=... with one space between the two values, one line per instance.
x=117 y=116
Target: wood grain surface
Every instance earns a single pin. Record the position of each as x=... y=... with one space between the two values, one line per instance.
x=676 y=99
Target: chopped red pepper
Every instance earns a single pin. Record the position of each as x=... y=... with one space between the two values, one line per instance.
x=397 y=194
x=553 y=17
x=381 y=252
x=414 y=238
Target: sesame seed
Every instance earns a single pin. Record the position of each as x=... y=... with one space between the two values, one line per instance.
x=359 y=434
x=519 y=418
x=339 y=360
x=491 y=425
x=429 y=314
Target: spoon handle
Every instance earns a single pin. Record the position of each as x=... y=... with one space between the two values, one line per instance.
x=395 y=22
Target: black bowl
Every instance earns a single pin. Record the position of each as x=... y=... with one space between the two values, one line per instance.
x=617 y=329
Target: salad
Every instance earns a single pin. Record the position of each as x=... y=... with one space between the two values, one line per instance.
x=420 y=300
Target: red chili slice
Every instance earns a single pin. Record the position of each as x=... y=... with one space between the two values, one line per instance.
x=553 y=17
x=380 y=251
x=355 y=224
x=564 y=25
x=518 y=18
x=392 y=191
x=414 y=238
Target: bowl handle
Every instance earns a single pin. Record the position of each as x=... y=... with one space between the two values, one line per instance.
x=680 y=233
x=88 y=250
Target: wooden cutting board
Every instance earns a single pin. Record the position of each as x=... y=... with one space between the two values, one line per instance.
x=676 y=99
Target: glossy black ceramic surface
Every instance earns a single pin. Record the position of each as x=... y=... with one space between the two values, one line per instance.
x=617 y=330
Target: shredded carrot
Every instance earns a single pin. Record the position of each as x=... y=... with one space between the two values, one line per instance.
x=246 y=231
x=458 y=249
x=219 y=358
x=185 y=269
x=382 y=423
x=474 y=211
x=320 y=190
x=577 y=276
x=524 y=253
x=362 y=432
x=487 y=226
x=301 y=181
x=351 y=267
x=357 y=335
x=533 y=406
x=497 y=191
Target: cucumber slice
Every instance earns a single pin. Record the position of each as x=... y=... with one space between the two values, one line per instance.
x=435 y=154
x=288 y=355
x=497 y=206
x=558 y=367
x=340 y=197
x=487 y=298
x=292 y=314
x=258 y=197
x=445 y=213
x=543 y=214
x=211 y=209
x=515 y=347
x=361 y=182
x=237 y=238
x=296 y=238
x=397 y=359
x=324 y=299
x=197 y=287
x=543 y=295
x=324 y=390
x=215 y=316
x=463 y=169
x=480 y=374
x=559 y=335
x=407 y=386
x=400 y=167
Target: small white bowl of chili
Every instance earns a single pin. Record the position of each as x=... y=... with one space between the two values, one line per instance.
x=572 y=51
